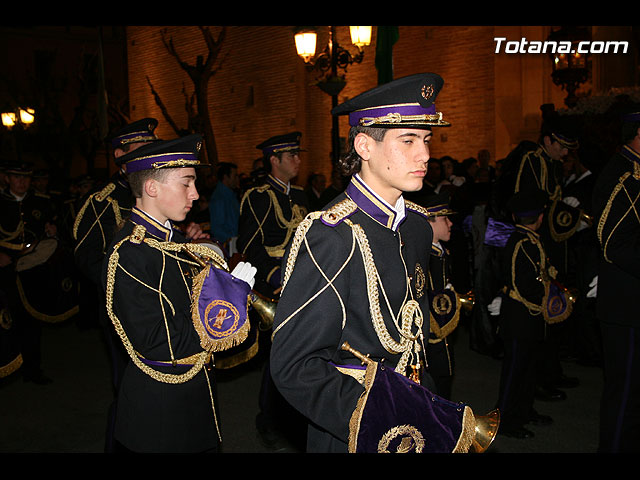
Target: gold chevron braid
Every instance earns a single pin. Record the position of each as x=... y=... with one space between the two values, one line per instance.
x=411 y=314
x=333 y=215
x=100 y=197
x=7 y=236
x=607 y=210
x=301 y=232
x=201 y=359
x=515 y=293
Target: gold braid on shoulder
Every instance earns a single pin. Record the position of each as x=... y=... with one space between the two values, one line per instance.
x=99 y=197
x=198 y=360
x=514 y=293
x=602 y=221
x=411 y=314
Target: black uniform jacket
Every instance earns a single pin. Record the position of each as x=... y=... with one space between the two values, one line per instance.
x=269 y=215
x=521 y=311
x=616 y=205
x=444 y=314
x=333 y=267
x=22 y=222
x=101 y=214
x=161 y=408
x=22 y=226
x=539 y=171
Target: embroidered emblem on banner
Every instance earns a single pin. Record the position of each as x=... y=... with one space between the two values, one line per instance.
x=564 y=219
x=405 y=438
x=219 y=313
x=441 y=304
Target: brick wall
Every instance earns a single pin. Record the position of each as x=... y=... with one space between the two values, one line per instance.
x=263 y=88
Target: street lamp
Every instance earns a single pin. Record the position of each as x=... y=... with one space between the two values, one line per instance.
x=23 y=116
x=9 y=119
x=327 y=64
x=570 y=66
x=17 y=121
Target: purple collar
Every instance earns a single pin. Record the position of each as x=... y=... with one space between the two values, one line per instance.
x=151 y=225
x=630 y=153
x=370 y=203
x=278 y=185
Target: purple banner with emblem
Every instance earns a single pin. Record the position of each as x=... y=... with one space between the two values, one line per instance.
x=397 y=415
x=558 y=304
x=220 y=304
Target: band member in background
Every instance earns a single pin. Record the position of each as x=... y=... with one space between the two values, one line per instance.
x=530 y=303
x=102 y=213
x=444 y=304
x=269 y=215
x=26 y=219
x=615 y=203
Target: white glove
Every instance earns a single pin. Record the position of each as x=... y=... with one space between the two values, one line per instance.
x=246 y=272
x=494 y=306
x=571 y=201
x=594 y=288
x=582 y=225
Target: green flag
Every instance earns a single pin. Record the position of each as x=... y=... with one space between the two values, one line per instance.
x=386 y=38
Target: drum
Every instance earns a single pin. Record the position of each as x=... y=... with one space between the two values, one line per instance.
x=10 y=356
x=47 y=281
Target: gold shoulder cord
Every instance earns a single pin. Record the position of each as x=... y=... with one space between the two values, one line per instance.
x=199 y=359
x=417 y=208
x=514 y=292
x=620 y=186
x=540 y=181
x=297 y=214
x=546 y=273
x=100 y=197
x=299 y=237
x=411 y=314
x=247 y=198
x=8 y=236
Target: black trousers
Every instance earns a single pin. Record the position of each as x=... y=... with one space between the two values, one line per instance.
x=620 y=404
x=518 y=381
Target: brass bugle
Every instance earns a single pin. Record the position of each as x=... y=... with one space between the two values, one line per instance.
x=265 y=307
x=588 y=219
x=485 y=431
x=467 y=301
x=363 y=358
x=486 y=427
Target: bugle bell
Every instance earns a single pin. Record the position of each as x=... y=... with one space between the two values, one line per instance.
x=588 y=219
x=265 y=308
x=467 y=301
x=485 y=431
